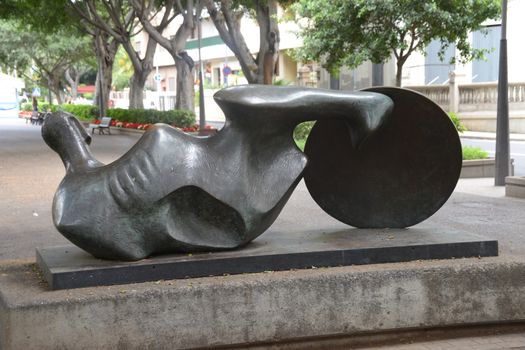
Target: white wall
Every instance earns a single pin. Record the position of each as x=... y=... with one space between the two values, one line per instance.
x=516 y=40
x=10 y=87
x=414 y=71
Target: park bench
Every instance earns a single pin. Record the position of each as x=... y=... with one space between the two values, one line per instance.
x=102 y=127
x=37 y=118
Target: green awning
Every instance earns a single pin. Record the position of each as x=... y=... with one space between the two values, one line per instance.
x=209 y=41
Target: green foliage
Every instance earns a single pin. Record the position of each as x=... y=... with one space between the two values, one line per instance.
x=470 y=153
x=42 y=107
x=349 y=32
x=47 y=107
x=176 y=117
x=302 y=130
x=122 y=69
x=41 y=57
x=457 y=123
x=300 y=143
x=82 y=112
x=41 y=15
x=281 y=82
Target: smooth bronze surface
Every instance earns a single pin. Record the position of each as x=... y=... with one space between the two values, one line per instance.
x=173 y=192
x=399 y=177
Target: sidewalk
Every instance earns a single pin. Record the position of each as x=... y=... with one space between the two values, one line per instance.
x=489 y=136
x=514 y=341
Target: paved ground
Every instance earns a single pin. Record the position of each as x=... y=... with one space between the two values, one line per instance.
x=30 y=172
x=510 y=341
x=29 y=175
x=494 y=342
x=517 y=151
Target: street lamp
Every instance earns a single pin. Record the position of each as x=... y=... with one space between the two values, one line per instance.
x=502 y=117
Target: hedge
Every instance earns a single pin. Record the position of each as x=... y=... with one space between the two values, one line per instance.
x=470 y=153
x=179 y=118
x=176 y=117
x=42 y=107
x=82 y=112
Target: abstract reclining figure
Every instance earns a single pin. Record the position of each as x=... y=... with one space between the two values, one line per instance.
x=173 y=192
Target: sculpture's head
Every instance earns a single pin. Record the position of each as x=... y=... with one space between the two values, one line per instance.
x=62 y=130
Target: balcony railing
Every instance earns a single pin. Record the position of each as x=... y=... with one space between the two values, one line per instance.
x=473 y=97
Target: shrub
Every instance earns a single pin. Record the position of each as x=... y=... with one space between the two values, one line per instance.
x=300 y=144
x=457 y=123
x=42 y=107
x=46 y=107
x=470 y=153
x=302 y=130
x=281 y=82
x=82 y=112
x=176 y=117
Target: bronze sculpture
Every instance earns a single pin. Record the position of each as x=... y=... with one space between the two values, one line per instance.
x=173 y=192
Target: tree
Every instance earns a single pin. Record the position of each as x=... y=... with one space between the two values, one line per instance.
x=123 y=70
x=227 y=15
x=55 y=16
x=73 y=74
x=190 y=11
x=47 y=55
x=105 y=49
x=117 y=19
x=348 y=32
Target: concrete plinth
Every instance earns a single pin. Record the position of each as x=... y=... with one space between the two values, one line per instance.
x=258 y=308
x=515 y=186
x=70 y=267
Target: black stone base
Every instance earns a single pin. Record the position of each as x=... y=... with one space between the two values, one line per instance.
x=70 y=267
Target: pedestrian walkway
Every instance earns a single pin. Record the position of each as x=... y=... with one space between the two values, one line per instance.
x=489 y=136
x=509 y=341
x=480 y=187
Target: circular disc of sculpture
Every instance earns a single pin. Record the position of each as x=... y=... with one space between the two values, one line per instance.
x=398 y=177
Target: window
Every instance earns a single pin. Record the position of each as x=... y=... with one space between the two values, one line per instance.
x=484 y=71
x=436 y=71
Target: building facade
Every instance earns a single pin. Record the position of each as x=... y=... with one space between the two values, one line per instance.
x=221 y=67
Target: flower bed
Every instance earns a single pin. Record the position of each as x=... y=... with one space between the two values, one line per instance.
x=145 y=126
x=24 y=114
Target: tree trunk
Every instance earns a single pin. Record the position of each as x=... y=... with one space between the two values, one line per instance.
x=142 y=67
x=73 y=82
x=175 y=46
x=399 y=71
x=185 y=92
x=103 y=86
x=136 y=89
x=54 y=86
x=105 y=49
x=227 y=21
x=269 y=40
x=261 y=69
